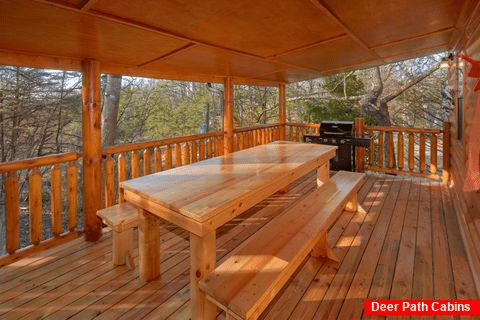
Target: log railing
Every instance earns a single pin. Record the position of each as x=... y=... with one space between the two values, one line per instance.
x=143 y=158
x=244 y=138
x=409 y=151
x=129 y=161
x=60 y=172
x=296 y=131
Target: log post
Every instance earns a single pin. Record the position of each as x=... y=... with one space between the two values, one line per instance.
x=92 y=149
x=446 y=152
x=282 y=111
x=228 y=115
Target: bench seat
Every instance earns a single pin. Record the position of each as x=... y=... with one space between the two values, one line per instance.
x=121 y=218
x=250 y=278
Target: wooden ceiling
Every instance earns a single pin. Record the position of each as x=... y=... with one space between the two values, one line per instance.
x=263 y=42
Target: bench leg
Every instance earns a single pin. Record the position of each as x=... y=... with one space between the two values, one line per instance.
x=323 y=174
x=202 y=259
x=322 y=249
x=148 y=246
x=122 y=247
x=352 y=205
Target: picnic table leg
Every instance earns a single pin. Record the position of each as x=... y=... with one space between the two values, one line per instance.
x=323 y=173
x=148 y=246
x=202 y=257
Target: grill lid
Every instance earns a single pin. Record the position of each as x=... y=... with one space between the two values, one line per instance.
x=336 y=128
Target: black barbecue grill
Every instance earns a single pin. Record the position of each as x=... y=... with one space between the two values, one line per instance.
x=341 y=134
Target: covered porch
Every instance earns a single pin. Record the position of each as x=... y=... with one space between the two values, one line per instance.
x=416 y=235
x=404 y=244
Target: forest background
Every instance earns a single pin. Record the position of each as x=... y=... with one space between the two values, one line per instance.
x=40 y=110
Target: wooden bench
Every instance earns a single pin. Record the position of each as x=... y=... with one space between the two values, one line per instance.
x=121 y=218
x=250 y=278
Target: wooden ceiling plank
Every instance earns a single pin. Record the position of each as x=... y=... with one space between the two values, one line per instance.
x=169 y=54
x=425 y=35
x=150 y=28
x=320 y=5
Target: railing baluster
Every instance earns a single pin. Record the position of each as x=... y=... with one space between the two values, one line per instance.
x=194 y=151
x=201 y=150
x=290 y=133
x=216 y=149
x=297 y=134
x=72 y=194
x=411 y=151
x=146 y=162
x=400 y=150
x=221 y=146
x=422 y=165
x=12 y=208
x=157 y=159
x=135 y=162
x=209 y=148
x=168 y=157
x=122 y=174
x=241 y=141
x=371 y=150
x=56 y=201
x=35 y=205
x=109 y=182
x=390 y=150
x=185 y=154
x=380 y=149
x=433 y=154
x=178 y=155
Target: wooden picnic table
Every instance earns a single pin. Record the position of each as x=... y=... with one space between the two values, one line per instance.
x=203 y=196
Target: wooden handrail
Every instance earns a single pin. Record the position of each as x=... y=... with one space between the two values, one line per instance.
x=398 y=129
x=156 y=143
x=262 y=126
x=308 y=125
x=39 y=162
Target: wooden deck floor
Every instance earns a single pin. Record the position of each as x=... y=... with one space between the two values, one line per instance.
x=404 y=244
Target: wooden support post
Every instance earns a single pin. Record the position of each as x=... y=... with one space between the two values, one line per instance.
x=149 y=246
x=323 y=174
x=360 y=151
x=323 y=250
x=202 y=259
x=352 y=204
x=446 y=152
x=228 y=115
x=282 y=111
x=92 y=149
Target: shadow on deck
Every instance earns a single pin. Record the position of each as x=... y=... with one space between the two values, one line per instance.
x=405 y=243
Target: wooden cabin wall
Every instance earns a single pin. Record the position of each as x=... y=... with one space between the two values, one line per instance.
x=466 y=203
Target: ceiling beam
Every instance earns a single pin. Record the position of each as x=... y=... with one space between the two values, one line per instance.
x=168 y=55
x=421 y=36
x=311 y=45
x=86 y=5
x=320 y=5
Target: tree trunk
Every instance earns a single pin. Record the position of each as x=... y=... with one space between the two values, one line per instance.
x=110 y=109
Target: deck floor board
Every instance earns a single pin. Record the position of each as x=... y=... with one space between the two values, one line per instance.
x=405 y=243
